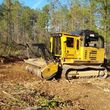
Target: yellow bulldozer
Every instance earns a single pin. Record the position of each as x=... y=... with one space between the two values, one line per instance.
x=75 y=55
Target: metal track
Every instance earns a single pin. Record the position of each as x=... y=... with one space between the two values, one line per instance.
x=79 y=72
x=85 y=74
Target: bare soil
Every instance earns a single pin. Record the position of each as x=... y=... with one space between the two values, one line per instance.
x=20 y=90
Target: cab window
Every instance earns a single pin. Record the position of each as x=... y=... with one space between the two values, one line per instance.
x=77 y=44
x=70 y=42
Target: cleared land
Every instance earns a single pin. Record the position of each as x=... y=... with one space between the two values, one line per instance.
x=20 y=90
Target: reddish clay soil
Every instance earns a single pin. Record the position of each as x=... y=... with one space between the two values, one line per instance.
x=20 y=90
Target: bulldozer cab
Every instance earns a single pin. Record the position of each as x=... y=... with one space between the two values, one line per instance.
x=65 y=46
x=59 y=39
x=81 y=47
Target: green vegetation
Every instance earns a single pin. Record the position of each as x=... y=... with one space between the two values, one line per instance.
x=20 y=24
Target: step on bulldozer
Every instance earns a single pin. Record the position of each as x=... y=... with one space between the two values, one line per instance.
x=77 y=54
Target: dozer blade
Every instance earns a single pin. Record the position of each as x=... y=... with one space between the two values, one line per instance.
x=42 y=69
x=49 y=71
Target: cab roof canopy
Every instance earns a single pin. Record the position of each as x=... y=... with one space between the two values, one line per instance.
x=86 y=33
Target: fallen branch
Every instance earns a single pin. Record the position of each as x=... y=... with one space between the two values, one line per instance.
x=9 y=95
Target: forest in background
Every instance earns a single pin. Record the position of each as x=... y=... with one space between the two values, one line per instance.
x=20 y=24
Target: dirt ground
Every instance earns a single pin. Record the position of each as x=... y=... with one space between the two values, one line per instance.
x=20 y=90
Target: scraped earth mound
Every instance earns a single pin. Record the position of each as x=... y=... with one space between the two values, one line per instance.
x=20 y=90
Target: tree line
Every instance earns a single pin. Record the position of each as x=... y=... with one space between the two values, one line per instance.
x=21 y=24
